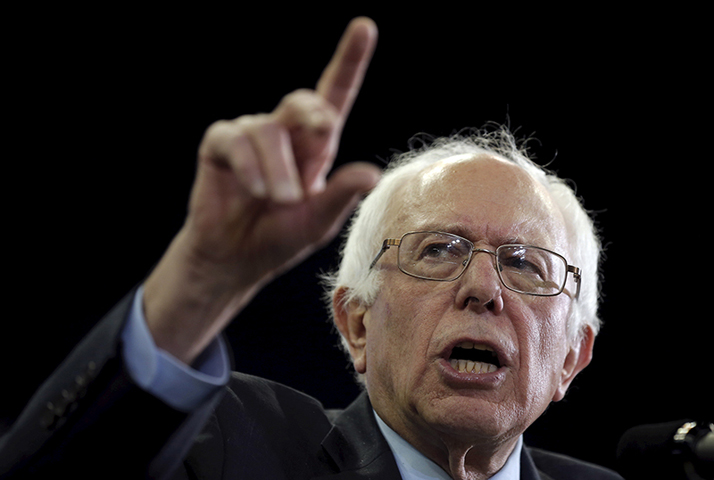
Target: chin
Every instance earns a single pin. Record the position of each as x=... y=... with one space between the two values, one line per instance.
x=474 y=418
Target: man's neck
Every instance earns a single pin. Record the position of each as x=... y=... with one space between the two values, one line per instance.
x=414 y=464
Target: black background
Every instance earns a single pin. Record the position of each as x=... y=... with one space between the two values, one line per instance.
x=106 y=108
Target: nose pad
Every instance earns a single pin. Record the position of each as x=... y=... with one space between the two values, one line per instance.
x=480 y=287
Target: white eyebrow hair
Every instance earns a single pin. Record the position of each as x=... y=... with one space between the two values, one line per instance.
x=463 y=231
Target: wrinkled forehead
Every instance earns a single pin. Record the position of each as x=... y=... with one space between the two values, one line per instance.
x=483 y=198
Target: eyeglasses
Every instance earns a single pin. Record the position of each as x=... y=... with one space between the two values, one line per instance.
x=444 y=257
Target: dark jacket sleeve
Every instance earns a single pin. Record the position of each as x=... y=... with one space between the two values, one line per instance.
x=89 y=419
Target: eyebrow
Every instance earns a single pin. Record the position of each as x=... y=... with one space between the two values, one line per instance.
x=462 y=231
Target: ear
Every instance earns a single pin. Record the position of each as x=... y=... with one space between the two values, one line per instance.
x=350 y=319
x=577 y=359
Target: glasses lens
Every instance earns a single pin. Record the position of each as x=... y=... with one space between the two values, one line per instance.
x=531 y=269
x=433 y=255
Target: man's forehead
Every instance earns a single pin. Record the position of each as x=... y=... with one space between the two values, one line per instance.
x=473 y=171
x=483 y=192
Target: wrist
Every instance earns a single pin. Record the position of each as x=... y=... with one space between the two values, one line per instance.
x=188 y=301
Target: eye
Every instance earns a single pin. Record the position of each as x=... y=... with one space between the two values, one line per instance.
x=433 y=255
x=439 y=251
x=521 y=262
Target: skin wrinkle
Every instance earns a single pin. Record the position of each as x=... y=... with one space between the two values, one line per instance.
x=469 y=432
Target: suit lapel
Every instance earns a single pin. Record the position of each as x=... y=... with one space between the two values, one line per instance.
x=529 y=471
x=360 y=452
x=357 y=447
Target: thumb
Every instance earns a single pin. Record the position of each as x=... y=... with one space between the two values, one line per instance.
x=343 y=191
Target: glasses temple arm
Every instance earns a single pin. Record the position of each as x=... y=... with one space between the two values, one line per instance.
x=389 y=242
x=576 y=276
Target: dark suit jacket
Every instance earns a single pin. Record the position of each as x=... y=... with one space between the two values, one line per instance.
x=89 y=420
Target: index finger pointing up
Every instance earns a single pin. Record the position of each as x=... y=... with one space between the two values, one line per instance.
x=342 y=78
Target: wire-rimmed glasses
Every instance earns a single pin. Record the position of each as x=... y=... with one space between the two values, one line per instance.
x=444 y=257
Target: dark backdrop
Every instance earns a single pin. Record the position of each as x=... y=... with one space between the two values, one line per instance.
x=106 y=113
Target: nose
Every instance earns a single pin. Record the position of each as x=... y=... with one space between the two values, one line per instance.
x=479 y=288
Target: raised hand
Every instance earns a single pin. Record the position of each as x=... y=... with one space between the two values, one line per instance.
x=260 y=203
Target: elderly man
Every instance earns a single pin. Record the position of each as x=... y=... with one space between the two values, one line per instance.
x=466 y=298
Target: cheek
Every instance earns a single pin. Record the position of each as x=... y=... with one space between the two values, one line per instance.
x=406 y=309
x=385 y=351
x=544 y=348
x=398 y=336
x=391 y=332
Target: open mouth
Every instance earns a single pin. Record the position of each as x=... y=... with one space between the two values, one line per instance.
x=467 y=357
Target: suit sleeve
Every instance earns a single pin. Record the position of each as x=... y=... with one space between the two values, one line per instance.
x=182 y=387
x=91 y=420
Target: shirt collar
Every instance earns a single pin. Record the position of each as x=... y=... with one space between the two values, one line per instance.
x=413 y=465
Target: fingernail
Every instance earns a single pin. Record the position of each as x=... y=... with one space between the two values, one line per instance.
x=318 y=121
x=287 y=192
x=318 y=185
x=258 y=188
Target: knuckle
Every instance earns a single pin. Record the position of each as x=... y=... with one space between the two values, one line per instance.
x=249 y=119
x=224 y=137
x=216 y=128
x=211 y=138
x=301 y=100
x=258 y=124
x=300 y=95
x=307 y=110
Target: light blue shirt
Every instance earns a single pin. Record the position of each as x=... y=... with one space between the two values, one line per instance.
x=413 y=465
x=161 y=374
x=185 y=388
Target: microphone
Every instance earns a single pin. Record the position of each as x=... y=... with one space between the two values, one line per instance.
x=680 y=450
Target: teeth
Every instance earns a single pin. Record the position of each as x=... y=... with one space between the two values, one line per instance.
x=467 y=366
x=476 y=346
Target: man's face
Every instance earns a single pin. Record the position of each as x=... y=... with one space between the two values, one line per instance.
x=415 y=326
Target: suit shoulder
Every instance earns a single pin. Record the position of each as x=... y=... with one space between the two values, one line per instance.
x=261 y=429
x=563 y=467
x=272 y=403
x=248 y=388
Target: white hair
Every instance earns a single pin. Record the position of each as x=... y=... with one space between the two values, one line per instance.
x=368 y=226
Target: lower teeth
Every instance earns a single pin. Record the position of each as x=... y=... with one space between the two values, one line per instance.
x=468 y=366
